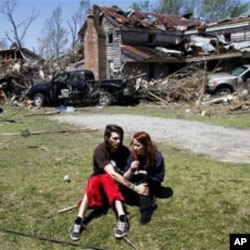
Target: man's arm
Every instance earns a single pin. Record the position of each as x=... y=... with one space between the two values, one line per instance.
x=140 y=189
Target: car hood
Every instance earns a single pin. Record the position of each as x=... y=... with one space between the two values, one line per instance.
x=221 y=76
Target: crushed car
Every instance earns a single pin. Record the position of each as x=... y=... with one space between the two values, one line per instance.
x=80 y=86
x=223 y=83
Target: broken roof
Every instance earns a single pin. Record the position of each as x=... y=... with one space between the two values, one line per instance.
x=207 y=42
x=135 y=19
x=146 y=54
x=231 y=21
x=17 y=53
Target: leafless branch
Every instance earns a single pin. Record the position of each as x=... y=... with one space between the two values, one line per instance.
x=19 y=30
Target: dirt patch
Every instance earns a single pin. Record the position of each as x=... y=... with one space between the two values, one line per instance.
x=219 y=143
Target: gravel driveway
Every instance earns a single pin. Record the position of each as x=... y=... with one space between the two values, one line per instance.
x=217 y=142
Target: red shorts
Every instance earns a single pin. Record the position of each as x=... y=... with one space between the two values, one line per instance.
x=100 y=185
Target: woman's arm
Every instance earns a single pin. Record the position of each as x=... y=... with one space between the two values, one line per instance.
x=131 y=170
x=158 y=173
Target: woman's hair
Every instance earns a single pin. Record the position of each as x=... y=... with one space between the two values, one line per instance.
x=150 y=149
x=112 y=128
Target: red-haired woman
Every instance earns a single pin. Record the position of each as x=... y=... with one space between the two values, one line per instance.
x=145 y=165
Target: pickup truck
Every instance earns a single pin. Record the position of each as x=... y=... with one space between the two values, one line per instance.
x=79 y=86
x=223 y=83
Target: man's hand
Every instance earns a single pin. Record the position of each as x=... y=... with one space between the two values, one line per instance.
x=142 y=189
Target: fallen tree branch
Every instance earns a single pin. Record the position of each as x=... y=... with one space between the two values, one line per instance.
x=157 y=97
x=239 y=179
x=137 y=76
x=46 y=113
x=129 y=242
x=69 y=131
x=66 y=209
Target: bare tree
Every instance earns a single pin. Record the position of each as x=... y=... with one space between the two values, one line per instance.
x=77 y=21
x=19 y=30
x=54 y=36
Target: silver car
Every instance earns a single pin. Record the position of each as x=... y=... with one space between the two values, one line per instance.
x=223 y=83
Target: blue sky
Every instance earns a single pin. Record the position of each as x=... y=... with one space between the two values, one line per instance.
x=45 y=8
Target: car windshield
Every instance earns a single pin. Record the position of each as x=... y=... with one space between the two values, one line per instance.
x=238 y=71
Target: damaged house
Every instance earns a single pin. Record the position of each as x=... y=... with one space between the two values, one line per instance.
x=132 y=42
x=227 y=42
x=119 y=43
x=14 y=57
x=19 y=67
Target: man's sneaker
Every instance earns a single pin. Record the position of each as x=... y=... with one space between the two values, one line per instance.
x=76 y=230
x=121 y=229
x=145 y=216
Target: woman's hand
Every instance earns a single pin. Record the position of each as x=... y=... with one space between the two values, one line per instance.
x=134 y=166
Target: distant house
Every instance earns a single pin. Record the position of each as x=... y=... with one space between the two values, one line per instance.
x=13 y=56
x=128 y=42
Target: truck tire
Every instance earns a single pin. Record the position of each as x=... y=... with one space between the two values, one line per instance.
x=105 y=99
x=39 y=99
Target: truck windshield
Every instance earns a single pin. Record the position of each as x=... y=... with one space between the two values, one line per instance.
x=238 y=71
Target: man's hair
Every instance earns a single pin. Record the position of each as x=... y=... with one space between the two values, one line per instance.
x=112 y=128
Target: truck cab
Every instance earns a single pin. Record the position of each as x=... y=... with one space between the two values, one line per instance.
x=65 y=86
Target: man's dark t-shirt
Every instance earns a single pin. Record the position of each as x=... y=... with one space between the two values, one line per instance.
x=103 y=156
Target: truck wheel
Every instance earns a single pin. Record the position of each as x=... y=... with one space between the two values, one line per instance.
x=223 y=90
x=105 y=99
x=39 y=100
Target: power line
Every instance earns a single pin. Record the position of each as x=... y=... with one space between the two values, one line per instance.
x=51 y=240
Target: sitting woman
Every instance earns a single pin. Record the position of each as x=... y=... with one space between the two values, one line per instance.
x=145 y=165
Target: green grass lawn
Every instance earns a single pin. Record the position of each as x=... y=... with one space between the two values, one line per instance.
x=210 y=199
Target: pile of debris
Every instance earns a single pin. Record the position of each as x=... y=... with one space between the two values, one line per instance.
x=185 y=85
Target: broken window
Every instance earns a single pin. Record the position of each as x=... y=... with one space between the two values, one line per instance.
x=110 y=37
x=151 y=71
x=227 y=37
x=151 y=38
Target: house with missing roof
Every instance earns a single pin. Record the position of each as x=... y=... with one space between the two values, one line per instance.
x=14 y=57
x=119 y=43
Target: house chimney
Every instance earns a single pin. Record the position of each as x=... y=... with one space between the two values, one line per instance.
x=95 y=46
